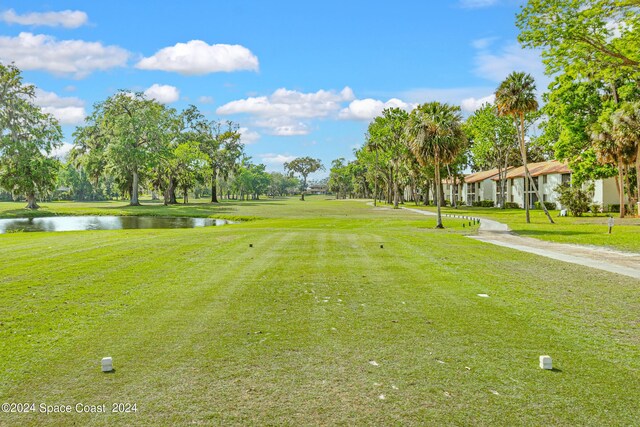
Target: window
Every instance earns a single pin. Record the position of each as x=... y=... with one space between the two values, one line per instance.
x=471 y=193
x=566 y=178
x=544 y=179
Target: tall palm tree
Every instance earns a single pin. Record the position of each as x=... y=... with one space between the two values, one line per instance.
x=374 y=144
x=435 y=135
x=609 y=151
x=516 y=97
x=626 y=126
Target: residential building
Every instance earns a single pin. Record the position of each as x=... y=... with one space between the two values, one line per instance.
x=547 y=176
x=480 y=186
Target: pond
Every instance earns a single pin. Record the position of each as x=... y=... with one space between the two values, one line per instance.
x=74 y=223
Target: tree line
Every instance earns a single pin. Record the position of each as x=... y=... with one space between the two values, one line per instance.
x=128 y=143
x=590 y=115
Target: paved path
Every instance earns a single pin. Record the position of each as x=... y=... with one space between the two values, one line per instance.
x=496 y=233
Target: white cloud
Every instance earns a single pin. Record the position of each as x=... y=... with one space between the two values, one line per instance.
x=68 y=110
x=291 y=130
x=247 y=136
x=289 y=103
x=285 y=111
x=272 y=159
x=483 y=43
x=449 y=95
x=62 y=151
x=468 y=98
x=65 y=57
x=65 y=18
x=282 y=126
x=472 y=104
x=476 y=4
x=197 y=57
x=367 y=109
x=205 y=99
x=495 y=66
x=164 y=94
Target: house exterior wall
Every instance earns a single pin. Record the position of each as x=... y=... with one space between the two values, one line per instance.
x=605 y=192
x=516 y=191
x=487 y=190
x=547 y=188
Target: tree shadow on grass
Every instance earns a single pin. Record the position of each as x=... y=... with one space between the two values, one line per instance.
x=26 y=213
x=171 y=210
x=534 y=233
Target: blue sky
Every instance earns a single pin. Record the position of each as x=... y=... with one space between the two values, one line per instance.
x=300 y=78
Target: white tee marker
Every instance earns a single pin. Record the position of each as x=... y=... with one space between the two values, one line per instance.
x=545 y=362
x=107 y=364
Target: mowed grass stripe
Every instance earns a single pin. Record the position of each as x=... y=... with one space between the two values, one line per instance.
x=162 y=315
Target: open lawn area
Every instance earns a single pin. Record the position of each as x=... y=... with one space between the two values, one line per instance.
x=584 y=230
x=316 y=324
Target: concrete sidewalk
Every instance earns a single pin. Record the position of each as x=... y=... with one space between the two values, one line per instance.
x=497 y=233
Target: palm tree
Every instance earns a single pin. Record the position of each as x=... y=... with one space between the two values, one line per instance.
x=609 y=151
x=516 y=97
x=626 y=126
x=435 y=135
x=374 y=144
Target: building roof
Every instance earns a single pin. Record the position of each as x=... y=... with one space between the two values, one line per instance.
x=481 y=176
x=537 y=169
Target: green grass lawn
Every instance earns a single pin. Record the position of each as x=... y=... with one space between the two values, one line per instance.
x=316 y=324
x=585 y=230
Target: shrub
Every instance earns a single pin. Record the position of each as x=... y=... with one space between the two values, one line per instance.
x=511 y=205
x=595 y=208
x=613 y=208
x=551 y=206
x=573 y=198
x=483 y=203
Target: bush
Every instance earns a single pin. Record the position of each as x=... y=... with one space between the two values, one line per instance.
x=613 y=208
x=573 y=198
x=511 y=205
x=595 y=208
x=483 y=204
x=551 y=206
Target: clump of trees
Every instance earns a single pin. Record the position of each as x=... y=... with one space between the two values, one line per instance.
x=590 y=115
x=303 y=166
x=27 y=139
x=138 y=141
x=405 y=150
x=128 y=144
x=592 y=50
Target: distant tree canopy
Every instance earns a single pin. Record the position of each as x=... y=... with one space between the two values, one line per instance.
x=304 y=166
x=27 y=139
x=592 y=50
x=139 y=142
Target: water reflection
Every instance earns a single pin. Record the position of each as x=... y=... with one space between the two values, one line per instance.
x=73 y=223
